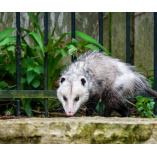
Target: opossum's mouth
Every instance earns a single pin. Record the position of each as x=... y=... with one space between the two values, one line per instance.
x=70 y=114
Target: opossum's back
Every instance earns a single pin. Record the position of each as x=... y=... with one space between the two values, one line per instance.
x=99 y=65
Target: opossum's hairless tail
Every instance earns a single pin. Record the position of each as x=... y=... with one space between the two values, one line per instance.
x=151 y=91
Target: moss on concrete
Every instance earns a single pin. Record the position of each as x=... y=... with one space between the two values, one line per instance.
x=78 y=130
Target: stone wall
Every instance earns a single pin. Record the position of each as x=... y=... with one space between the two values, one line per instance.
x=80 y=130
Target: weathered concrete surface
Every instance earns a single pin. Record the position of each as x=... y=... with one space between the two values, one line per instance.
x=78 y=130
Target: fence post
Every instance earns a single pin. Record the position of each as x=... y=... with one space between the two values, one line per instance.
x=18 y=58
x=46 y=61
x=155 y=59
x=101 y=42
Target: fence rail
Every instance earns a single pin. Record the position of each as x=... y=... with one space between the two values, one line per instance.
x=45 y=94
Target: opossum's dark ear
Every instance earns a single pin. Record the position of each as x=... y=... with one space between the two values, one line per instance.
x=83 y=81
x=62 y=79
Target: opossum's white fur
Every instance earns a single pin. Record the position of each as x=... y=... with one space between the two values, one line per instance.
x=100 y=72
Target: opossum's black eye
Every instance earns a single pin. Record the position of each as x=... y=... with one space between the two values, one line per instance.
x=76 y=99
x=65 y=99
x=83 y=81
x=62 y=79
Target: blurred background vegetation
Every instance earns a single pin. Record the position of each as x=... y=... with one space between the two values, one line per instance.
x=60 y=48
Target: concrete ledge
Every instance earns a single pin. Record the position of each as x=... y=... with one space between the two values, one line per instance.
x=78 y=130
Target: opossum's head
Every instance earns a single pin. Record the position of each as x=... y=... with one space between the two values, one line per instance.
x=72 y=94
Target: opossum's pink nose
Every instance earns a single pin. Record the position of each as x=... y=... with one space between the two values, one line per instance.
x=70 y=114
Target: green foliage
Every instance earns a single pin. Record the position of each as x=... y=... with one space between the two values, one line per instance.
x=91 y=41
x=27 y=107
x=5 y=34
x=151 y=78
x=3 y=85
x=32 y=57
x=97 y=106
x=151 y=81
x=132 y=116
x=150 y=69
x=145 y=106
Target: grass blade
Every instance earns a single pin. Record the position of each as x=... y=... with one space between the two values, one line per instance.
x=37 y=25
x=33 y=52
x=92 y=41
x=38 y=40
x=59 y=40
x=7 y=41
x=92 y=47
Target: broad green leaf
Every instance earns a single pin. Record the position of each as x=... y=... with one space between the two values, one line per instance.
x=11 y=68
x=37 y=25
x=150 y=105
x=30 y=68
x=41 y=69
x=145 y=99
x=27 y=107
x=6 y=33
x=139 y=98
x=3 y=85
x=11 y=48
x=140 y=109
x=38 y=40
x=91 y=40
x=30 y=76
x=7 y=41
x=92 y=47
x=36 y=69
x=151 y=99
x=23 y=80
x=36 y=83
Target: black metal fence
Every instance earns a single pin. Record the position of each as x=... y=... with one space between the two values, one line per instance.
x=18 y=94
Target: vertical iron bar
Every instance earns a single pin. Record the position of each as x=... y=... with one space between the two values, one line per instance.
x=46 y=61
x=72 y=30
x=101 y=42
x=128 y=37
x=101 y=28
x=128 y=47
x=155 y=59
x=110 y=32
x=18 y=55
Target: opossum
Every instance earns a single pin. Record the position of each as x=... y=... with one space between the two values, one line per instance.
x=95 y=76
